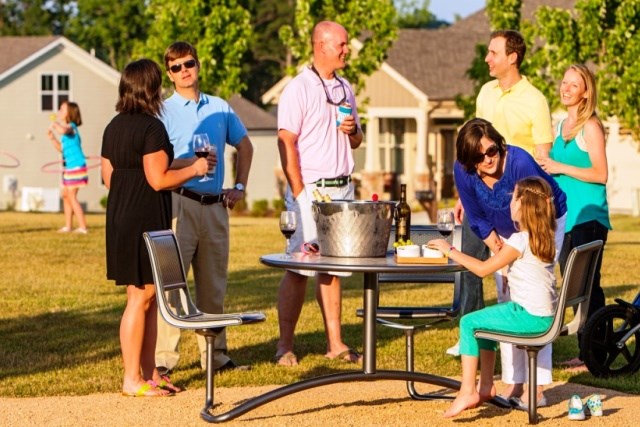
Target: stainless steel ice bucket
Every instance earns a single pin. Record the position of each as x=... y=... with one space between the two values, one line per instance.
x=353 y=228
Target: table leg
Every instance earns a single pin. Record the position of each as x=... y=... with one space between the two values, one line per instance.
x=370 y=309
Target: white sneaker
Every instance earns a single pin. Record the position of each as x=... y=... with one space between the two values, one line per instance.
x=576 y=409
x=594 y=403
x=455 y=350
x=80 y=230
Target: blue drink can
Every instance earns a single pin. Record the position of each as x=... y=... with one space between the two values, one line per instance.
x=344 y=110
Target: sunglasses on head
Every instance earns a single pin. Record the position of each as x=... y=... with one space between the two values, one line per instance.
x=187 y=64
x=491 y=152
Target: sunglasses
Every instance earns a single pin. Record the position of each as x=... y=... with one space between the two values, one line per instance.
x=326 y=92
x=187 y=64
x=491 y=152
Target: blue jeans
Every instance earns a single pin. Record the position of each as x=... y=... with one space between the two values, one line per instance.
x=471 y=291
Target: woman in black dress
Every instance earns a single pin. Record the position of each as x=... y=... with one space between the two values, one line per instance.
x=136 y=155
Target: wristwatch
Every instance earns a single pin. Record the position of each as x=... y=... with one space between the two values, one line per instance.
x=239 y=186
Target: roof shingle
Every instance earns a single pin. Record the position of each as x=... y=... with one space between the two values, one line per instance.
x=13 y=50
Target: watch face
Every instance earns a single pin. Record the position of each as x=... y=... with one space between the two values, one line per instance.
x=239 y=187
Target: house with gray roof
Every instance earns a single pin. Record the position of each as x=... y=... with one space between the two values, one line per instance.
x=36 y=74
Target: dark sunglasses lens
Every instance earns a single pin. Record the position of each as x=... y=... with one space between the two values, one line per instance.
x=491 y=151
x=187 y=64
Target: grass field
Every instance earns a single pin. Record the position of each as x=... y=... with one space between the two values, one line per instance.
x=59 y=316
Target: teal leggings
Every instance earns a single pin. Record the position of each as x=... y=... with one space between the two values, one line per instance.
x=508 y=317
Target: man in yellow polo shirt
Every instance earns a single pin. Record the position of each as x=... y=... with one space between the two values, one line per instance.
x=520 y=113
x=511 y=103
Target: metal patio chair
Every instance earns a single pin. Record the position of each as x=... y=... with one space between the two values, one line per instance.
x=177 y=308
x=575 y=293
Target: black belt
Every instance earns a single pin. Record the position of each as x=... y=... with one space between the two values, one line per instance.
x=204 y=199
x=340 y=181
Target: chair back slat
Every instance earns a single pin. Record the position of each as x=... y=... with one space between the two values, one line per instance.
x=578 y=281
x=172 y=291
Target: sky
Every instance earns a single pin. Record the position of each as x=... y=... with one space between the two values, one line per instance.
x=447 y=9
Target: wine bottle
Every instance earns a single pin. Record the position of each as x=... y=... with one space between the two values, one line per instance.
x=403 y=216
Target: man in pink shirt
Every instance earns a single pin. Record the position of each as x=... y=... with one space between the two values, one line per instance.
x=316 y=152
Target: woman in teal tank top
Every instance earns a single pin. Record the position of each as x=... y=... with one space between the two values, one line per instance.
x=578 y=162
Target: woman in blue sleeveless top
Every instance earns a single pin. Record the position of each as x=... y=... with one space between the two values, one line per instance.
x=74 y=173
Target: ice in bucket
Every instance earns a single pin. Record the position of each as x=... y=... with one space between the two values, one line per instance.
x=353 y=228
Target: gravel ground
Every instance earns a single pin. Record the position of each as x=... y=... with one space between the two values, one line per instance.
x=381 y=403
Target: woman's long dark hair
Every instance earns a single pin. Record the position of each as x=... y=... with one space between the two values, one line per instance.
x=139 y=90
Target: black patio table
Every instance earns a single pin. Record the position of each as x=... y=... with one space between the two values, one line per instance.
x=371 y=267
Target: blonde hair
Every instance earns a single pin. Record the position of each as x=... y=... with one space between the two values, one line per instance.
x=537 y=216
x=588 y=104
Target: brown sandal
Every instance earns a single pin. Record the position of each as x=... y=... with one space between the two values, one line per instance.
x=286 y=359
x=350 y=356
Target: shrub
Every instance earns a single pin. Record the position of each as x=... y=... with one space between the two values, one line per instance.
x=260 y=208
x=278 y=205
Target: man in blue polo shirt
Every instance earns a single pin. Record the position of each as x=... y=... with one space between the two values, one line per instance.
x=200 y=216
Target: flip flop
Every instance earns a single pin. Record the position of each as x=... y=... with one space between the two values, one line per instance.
x=165 y=384
x=148 y=389
x=350 y=356
x=287 y=359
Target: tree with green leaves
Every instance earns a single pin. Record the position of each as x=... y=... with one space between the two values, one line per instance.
x=370 y=21
x=109 y=28
x=603 y=33
x=416 y=14
x=219 y=29
x=33 y=17
x=266 y=59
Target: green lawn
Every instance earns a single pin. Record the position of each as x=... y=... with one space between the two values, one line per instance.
x=59 y=316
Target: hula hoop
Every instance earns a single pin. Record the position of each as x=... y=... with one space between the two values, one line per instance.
x=46 y=168
x=12 y=157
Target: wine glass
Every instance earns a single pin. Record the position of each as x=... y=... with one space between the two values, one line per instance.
x=445 y=222
x=288 y=227
x=202 y=148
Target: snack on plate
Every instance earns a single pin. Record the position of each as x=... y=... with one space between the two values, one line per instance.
x=408 y=251
x=431 y=253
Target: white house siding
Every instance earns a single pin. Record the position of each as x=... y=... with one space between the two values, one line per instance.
x=262 y=184
x=623 y=188
x=25 y=128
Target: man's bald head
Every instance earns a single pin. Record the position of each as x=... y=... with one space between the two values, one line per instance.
x=324 y=30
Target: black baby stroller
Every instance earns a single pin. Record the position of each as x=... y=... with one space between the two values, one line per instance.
x=610 y=339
